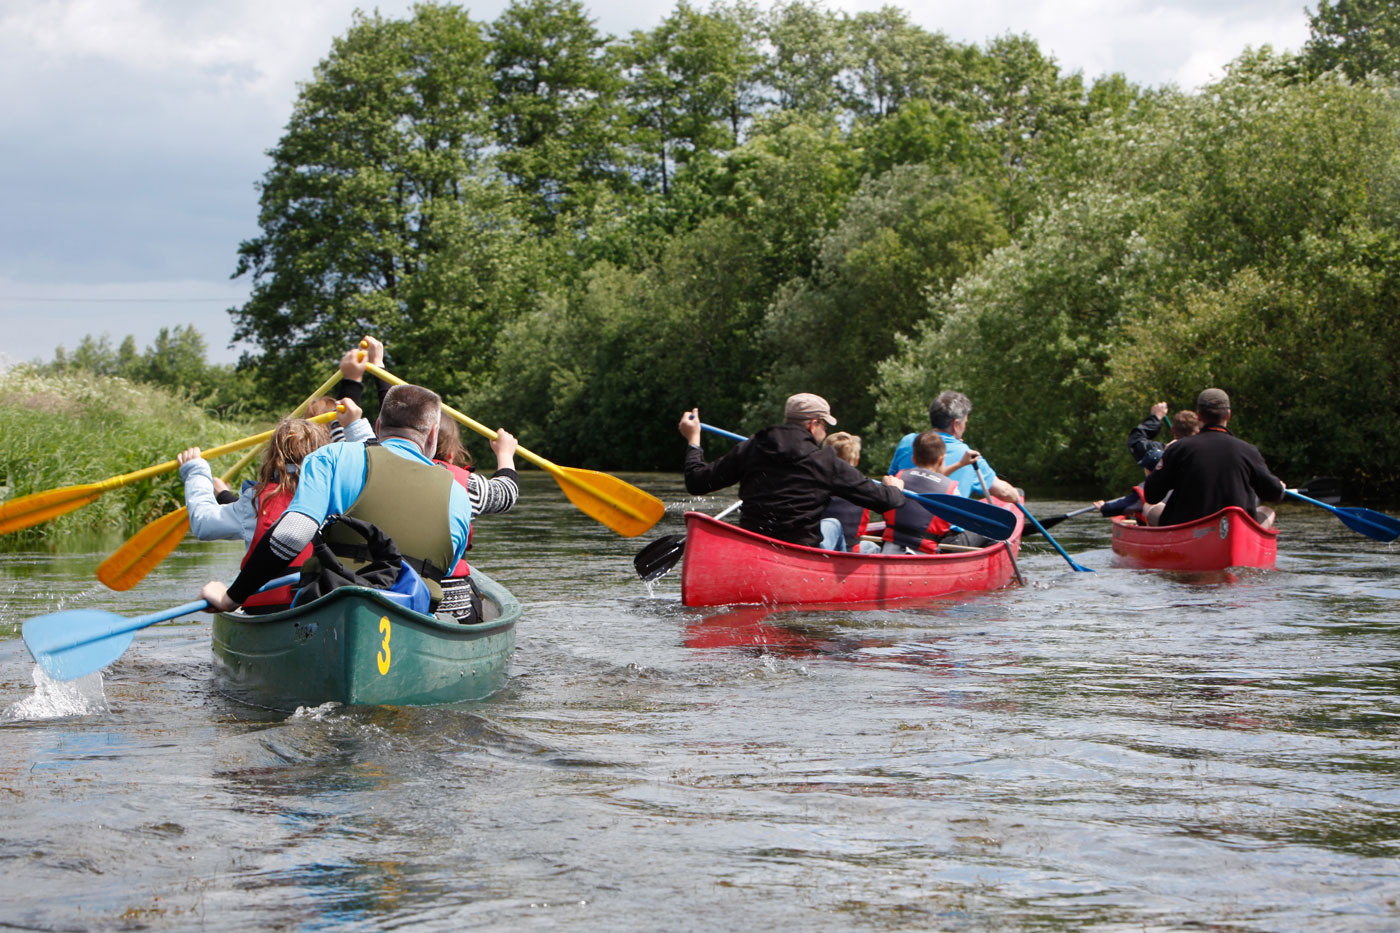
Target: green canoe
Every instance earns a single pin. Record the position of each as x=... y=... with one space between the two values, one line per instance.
x=355 y=646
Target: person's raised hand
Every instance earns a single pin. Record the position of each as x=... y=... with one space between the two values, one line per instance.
x=374 y=351
x=351 y=366
x=1160 y=409
x=690 y=427
x=504 y=447
x=185 y=456
x=347 y=412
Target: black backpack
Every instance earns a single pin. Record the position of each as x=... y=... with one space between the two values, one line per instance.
x=385 y=569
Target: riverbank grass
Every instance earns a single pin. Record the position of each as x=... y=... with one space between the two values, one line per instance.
x=76 y=427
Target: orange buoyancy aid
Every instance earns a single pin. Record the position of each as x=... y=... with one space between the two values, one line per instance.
x=911 y=525
x=271 y=503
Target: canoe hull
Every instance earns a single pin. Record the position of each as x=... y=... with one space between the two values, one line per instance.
x=356 y=647
x=725 y=565
x=1229 y=538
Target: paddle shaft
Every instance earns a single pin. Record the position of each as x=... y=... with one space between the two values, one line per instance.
x=559 y=474
x=165 y=615
x=1010 y=551
x=297 y=412
x=1070 y=560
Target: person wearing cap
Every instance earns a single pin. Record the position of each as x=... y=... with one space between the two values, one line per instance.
x=1211 y=470
x=785 y=476
x=948 y=415
x=1140 y=438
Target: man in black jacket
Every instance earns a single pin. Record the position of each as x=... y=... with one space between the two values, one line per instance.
x=785 y=476
x=1212 y=470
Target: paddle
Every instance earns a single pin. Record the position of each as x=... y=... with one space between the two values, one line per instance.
x=1056 y=519
x=1077 y=566
x=75 y=642
x=1326 y=488
x=1375 y=525
x=26 y=511
x=1010 y=551
x=143 y=551
x=982 y=517
x=604 y=498
x=657 y=558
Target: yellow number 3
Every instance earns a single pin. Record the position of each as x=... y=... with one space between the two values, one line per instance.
x=384 y=656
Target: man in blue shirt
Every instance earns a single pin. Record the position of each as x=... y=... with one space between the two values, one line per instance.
x=394 y=485
x=948 y=415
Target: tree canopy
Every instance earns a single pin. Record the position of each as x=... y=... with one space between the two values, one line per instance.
x=577 y=235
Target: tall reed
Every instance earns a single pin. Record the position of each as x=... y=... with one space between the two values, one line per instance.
x=76 y=427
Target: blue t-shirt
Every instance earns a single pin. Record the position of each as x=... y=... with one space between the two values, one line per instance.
x=332 y=478
x=966 y=478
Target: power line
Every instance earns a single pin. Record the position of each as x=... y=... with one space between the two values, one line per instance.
x=111 y=300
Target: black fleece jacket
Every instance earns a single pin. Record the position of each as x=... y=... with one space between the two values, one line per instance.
x=786 y=479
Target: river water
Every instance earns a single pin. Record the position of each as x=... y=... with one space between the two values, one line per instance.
x=1117 y=750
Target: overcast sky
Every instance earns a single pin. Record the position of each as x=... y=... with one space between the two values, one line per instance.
x=132 y=131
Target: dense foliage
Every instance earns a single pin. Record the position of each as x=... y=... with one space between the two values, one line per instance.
x=578 y=235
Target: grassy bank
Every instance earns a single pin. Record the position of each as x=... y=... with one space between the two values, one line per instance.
x=76 y=427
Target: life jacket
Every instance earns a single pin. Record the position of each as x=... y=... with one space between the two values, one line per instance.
x=463 y=476
x=911 y=525
x=271 y=502
x=854 y=520
x=410 y=502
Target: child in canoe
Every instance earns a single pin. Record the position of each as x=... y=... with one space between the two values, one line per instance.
x=262 y=501
x=487 y=496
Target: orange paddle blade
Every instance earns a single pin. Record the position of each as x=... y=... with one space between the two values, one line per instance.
x=30 y=510
x=130 y=563
x=603 y=497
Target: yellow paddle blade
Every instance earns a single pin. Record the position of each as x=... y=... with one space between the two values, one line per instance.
x=604 y=498
x=30 y=510
x=130 y=563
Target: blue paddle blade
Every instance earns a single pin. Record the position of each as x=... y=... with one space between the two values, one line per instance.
x=68 y=645
x=1375 y=525
x=989 y=520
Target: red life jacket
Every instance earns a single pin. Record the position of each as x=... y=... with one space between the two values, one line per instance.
x=911 y=525
x=270 y=507
x=463 y=477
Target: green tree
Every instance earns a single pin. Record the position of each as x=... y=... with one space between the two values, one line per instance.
x=554 y=107
x=1026 y=110
x=376 y=181
x=1360 y=37
x=810 y=53
x=893 y=61
x=684 y=79
x=905 y=235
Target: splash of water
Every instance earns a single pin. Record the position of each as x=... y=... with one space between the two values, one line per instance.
x=316 y=713
x=59 y=699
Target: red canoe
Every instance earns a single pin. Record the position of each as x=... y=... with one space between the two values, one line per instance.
x=1229 y=538
x=726 y=565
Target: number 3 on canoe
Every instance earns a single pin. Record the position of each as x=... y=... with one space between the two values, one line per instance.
x=384 y=656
